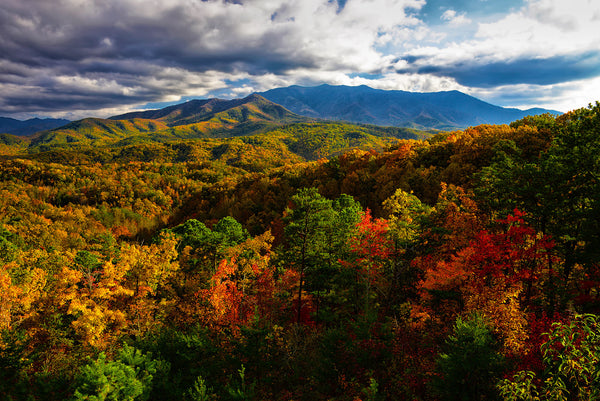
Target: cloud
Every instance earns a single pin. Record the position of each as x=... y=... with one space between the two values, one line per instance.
x=562 y=97
x=105 y=51
x=537 y=71
x=90 y=57
x=544 y=43
x=455 y=19
x=546 y=28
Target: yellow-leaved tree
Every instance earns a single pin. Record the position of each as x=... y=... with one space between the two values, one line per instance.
x=150 y=270
x=91 y=291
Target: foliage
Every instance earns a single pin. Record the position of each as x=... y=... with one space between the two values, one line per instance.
x=384 y=269
x=126 y=379
x=307 y=229
x=559 y=189
x=471 y=364
x=199 y=391
x=370 y=248
x=571 y=355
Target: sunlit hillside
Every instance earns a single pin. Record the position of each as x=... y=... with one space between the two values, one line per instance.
x=303 y=260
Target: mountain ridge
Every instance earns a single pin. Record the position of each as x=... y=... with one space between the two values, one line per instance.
x=446 y=110
x=199 y=110
x=31 y=126
x=256 y=114
x=252 y=126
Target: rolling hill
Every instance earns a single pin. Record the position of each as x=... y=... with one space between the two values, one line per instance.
x=211 y=118
x=315 y=134
x=251 y=108
x=94 y=131
x=362 y=104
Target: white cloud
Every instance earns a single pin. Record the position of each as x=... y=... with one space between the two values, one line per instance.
x=544 y=28
x=561 y=97
x=566 y=96
x=388 y=81
x=541 y=29
x=455 y=19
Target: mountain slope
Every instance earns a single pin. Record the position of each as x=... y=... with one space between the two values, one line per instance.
x=253 y=107
x=362 y=104
x=211 y=118
x=94 y=131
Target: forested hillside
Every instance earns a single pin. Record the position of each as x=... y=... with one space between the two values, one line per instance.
x=289 y=265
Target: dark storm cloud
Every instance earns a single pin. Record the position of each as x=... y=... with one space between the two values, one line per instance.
x=121 y=46
x=545 y=71
x=536 y=71
x=178 y=36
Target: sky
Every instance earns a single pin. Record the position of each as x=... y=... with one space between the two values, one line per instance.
x=96 y=58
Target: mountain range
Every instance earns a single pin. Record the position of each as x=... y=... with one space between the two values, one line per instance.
x=28 y=127
x=261 y=112
x=362 y=104
x=243 y=133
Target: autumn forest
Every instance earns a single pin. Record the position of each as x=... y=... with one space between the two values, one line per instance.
x=307 y=261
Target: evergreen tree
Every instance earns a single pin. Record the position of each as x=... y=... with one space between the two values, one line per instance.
x=471 y=363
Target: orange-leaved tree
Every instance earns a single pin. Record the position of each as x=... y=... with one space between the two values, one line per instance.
x=499 y=274
x=243 y=289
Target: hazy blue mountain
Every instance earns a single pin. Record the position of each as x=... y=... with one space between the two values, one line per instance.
x=362 y=104
x=31 y=126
